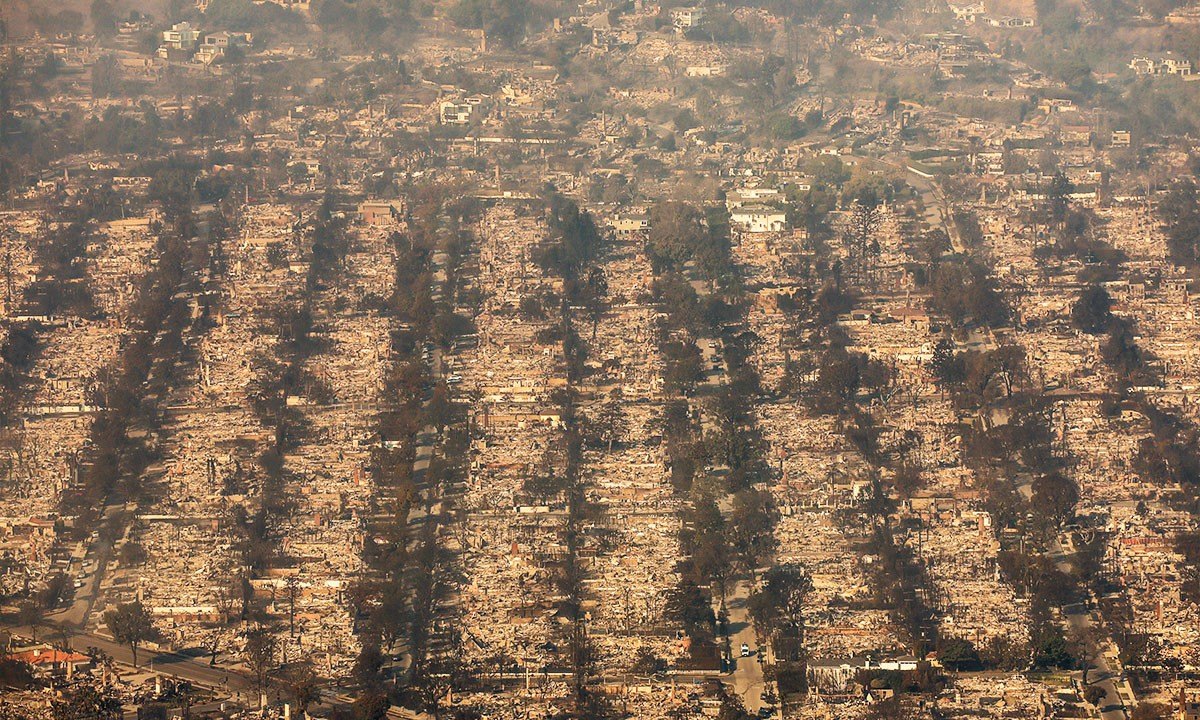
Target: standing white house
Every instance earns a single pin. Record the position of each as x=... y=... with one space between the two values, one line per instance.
x=759 y=218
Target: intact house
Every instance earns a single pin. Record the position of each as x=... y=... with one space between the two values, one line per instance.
x=686 y=17
x=1168 y=65
x=749 y=196
x=759 y=218
x=459 y=112
x=179 y=42
x=216 y=44
x=1010 y=22
x=52 y=661
x=839 y=674
x=625 y=223
x=380 y=212
x=969 y=13
x=181 y=36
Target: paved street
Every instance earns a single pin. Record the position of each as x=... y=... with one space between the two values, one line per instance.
x=173 y=664
x=747 y=678
x=1118 y=693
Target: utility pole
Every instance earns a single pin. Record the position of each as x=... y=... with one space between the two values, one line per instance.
x=8 y=277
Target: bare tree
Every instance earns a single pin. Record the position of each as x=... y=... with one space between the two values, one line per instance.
x=259 y=653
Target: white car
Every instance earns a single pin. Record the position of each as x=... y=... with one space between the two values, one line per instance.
x=745 y=650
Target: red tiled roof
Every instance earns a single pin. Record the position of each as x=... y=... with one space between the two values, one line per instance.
x=48 y=656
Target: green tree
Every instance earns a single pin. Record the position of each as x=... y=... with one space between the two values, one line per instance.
x=440 y=410
x=676 y=231
x=779 y=608
x=1092 y=312
x=958 y=654
x=965 y=292
x=1050 y=650
x=645 y=662
x=104 y=19
x=132 y=625
x=1057 y=198
x=595 y=297
x=611 y=424
x=30 y=613
x=503 y=20
x=1180 y=210
x=946 y=365
x=1055 y=495
x=1150 y=711
x=86 y=701
x=752 y=527
x=106 y=76
x=683 y=366
x=132 y=554
x=691 y=607
x=371 y=705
